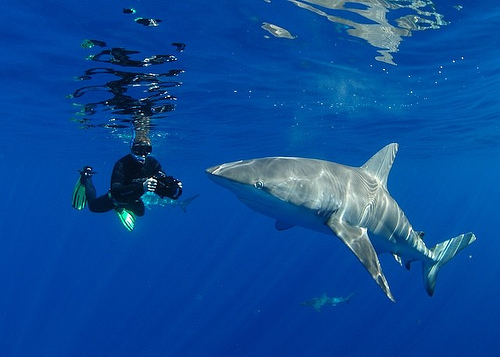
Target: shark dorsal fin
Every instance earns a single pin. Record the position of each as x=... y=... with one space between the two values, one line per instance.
x=380 y=164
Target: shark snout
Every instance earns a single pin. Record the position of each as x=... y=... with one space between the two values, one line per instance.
x=213 y=170
x=227 y=170
x=230 y=173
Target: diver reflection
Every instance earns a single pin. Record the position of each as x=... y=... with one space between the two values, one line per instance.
x=369 y=20
x=131 y=93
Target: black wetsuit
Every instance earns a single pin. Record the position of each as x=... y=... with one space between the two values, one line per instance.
x=127 y=187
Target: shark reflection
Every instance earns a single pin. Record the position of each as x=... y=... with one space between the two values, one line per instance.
x=369 y=20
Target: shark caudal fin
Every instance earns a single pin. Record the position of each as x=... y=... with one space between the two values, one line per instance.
x=442 y=253
x=186 y=202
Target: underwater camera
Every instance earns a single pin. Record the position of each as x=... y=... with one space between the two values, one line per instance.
x=167 y=186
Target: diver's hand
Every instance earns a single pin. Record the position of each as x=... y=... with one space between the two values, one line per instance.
x=150 y=184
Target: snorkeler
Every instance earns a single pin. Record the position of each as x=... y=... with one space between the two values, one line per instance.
x=133 y=175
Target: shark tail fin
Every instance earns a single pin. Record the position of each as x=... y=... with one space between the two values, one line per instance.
x=443 y=253
x=348 y=298
x=186 y=202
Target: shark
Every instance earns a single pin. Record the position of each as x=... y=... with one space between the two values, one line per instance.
x=152 y=199
x=352 y=203
x=324 y=300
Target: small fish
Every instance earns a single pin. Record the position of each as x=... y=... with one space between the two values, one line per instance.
x=319 y=302
x=148 y=22
x=91 y=43
x=179 y=46
x=277 y=31
x=152 y=199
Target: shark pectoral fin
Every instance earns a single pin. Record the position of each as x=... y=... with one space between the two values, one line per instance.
x=356 y=238
x=281 y=226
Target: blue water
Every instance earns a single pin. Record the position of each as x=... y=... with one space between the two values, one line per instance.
x=219 y=280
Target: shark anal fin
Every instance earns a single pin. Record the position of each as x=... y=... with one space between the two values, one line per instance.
x=356 y=238
x=281 y=226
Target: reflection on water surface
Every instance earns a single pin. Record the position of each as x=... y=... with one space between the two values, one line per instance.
x=382 y=23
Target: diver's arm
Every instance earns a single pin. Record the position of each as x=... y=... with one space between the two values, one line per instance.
x=156 y=166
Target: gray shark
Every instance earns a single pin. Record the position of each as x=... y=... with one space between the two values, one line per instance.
x=324 y=300
x=346 y=201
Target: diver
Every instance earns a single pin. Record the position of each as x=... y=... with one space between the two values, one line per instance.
x=133 y=175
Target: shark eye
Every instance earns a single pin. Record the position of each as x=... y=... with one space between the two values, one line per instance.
x=258 y=185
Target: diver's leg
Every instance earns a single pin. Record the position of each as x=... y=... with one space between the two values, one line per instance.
x=100 y=204
x=137 y=208
x=89 y=188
